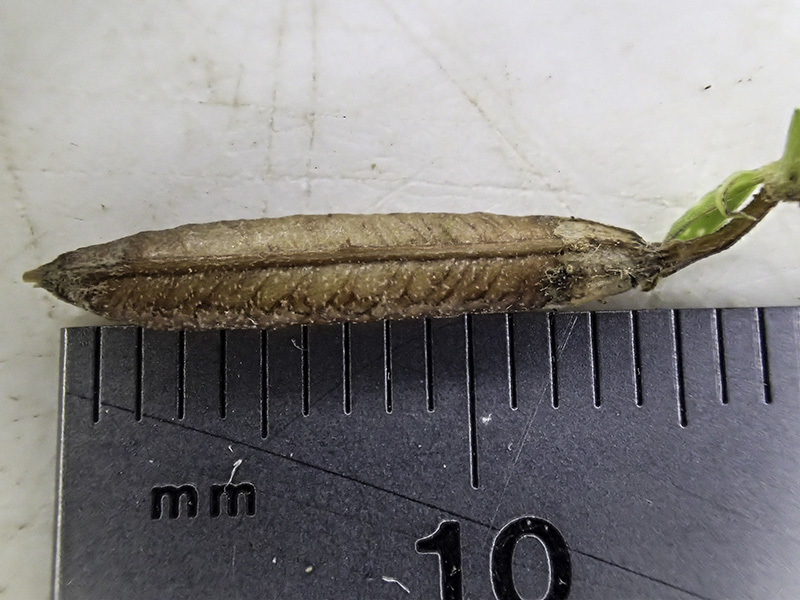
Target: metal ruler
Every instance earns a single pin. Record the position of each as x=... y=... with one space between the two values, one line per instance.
x=649 y=454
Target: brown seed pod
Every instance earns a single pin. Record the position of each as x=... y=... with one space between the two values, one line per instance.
x=326 y=268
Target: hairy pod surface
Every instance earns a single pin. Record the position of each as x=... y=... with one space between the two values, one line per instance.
x=326 y=268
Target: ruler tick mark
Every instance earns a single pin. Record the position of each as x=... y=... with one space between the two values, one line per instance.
x=594 y=358
x=552 y=355
x=471 y=408
x=723 y=369
x=346 y=370
x=304 y=369
x=264 y=363
x=139 y=376
x=223 y=374
x=387 y=365
x=96 y=374
x=181 y=400
x=675 y=321
x=426 y=334
x=637 y=358
x=762 y=343
x=512 y=363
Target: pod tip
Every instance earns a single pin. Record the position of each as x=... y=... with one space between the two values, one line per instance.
x=33 y=276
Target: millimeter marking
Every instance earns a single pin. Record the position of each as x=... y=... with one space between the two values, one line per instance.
x=428 y=344
x=387 y=365
x=762 y=341
x=675 y=319
x=720 y=347
x=264 y=363
x=346 y=370
x=304 y=369
x=471 y=409
x=512 y=363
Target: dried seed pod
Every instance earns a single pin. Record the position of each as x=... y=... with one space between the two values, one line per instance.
x=328 y=268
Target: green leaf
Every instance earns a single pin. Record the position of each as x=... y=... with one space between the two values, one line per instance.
x=735 y=190
x=716 y=208
x=791 y=153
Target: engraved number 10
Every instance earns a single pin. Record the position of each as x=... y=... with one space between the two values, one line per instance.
x=446 y=542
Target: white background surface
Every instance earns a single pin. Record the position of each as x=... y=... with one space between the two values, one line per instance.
x=129 y=115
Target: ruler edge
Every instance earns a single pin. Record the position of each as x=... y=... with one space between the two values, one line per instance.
x=64 y=331
x=55 y=584
x=64 y=335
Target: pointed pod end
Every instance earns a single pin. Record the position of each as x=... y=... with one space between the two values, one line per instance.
x=33 y=276
x=55 y=277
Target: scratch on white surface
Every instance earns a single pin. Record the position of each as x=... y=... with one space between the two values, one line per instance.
x=19 y=195
x=530 y=167
x=233 y=472
x=20 y=203
x=236 y=101
x=334 y=178
x=276 y=85
x=553 y=193
x=388 y=579
x=400 y=184
x=312 y=116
